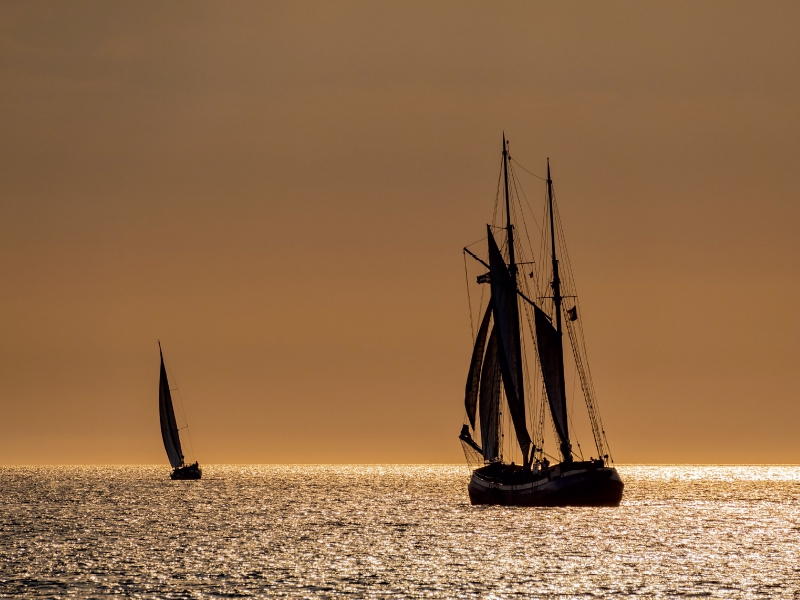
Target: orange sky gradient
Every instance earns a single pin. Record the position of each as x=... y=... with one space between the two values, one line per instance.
x=280 y=193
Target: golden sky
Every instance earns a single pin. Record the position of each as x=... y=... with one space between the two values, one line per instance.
x=280 y=193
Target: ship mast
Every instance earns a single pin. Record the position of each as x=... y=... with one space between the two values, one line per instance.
x=556 y=280
x=512 y=271
x=512 y=264
x=566 y=447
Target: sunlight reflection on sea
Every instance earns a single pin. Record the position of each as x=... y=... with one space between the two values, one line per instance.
x=392 y=531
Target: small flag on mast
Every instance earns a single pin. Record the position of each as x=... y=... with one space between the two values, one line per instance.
x=573 y=313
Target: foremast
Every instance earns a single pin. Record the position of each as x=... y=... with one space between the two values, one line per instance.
x=512 y=263
x=521 y=427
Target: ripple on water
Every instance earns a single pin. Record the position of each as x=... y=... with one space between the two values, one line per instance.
x=392 y=531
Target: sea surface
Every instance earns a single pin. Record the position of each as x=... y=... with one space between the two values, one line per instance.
x=392 y=532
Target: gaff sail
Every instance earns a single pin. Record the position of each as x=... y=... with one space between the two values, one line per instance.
x=490 y=402
x=474 y=375
x=551 y=357
x=169 y=428
x=506 y=318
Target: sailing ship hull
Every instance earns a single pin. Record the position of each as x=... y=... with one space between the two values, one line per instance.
x=188 y=472
x=562 y=485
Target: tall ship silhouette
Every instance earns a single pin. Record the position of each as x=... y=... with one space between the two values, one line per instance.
x=510 y=395
x=169 y=429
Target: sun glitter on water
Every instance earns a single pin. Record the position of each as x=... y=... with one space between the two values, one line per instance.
x=392 y=531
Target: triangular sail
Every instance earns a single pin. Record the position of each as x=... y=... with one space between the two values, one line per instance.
x=506 y=318
x=490 y=401
x=169 y=428
x=473 y=377
x=551 y=357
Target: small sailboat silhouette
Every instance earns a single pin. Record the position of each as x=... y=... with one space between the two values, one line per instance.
x=169 y=429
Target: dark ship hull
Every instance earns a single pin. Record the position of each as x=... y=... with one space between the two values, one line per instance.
x=187 y=472
x=585 y=483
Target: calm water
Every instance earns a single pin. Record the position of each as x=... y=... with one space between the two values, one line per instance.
x=395 y=531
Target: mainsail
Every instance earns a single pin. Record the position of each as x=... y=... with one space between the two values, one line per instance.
x=169 y=428
x=506 y=318
x=490 y=401
x=473 y=377
x=551 y=357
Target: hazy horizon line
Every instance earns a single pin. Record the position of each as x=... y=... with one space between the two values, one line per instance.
x=346 y=464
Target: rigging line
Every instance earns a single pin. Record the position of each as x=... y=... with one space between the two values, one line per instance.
x=525 y=196
x=587 y=393
x=484 y=238
x=547 y=273
x=565 y=252
x=563 y=248
x=469 y=299
x=574 y=381
x=526 y=311
x=188 y=431
x=522 y=214
x=480 y=304
x=537 y=399
x=475 y=242
x=497 y=192
x=526 y=381
x=542 y=275
x=572 y=411
x=522 y=250
x=526 y=170
x=553 y=430
x=581 y=348
x=519 y=246
x=535 y=404
x=569 y=276
x=556 y=459
x=183 y=410
x=503 y=415
x=571 y=420
x=542 y=415
x=567 y=262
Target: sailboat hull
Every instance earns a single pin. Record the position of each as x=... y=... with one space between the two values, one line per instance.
x=579 y=484
x=188 y=472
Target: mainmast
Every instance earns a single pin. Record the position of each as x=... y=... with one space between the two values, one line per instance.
x=566 y=447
